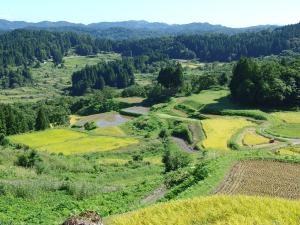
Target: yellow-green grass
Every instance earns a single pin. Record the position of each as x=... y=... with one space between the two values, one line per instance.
x=50 y=136
x=293 y=151
x=216 y=210
x=89 y=144
x=253 y=138
x=219 y=130
x=288 y=117
x=109 y=131
x=131 y=100
x=111 y=161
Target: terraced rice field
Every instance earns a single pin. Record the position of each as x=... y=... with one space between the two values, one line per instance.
x=71 y=142
x=252 y=138
x=48 y=137
x=138 y=110
x=109 y=131
x=288 y=117
x=216 y=210
x=263 y=178
x=102 y=120
x=290 y=130
x=219 y=130
x=117 y=161
x=292 y=151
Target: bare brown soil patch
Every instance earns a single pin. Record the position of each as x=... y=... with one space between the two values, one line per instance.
x=263 y=178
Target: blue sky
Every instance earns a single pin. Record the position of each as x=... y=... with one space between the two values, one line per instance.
x=234 y=13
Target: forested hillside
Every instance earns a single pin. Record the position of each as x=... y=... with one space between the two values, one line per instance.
x=214 y=47
x=24 y=46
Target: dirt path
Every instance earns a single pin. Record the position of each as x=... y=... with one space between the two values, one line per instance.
x=262 y=178
x=155 y=195
x=183 y=145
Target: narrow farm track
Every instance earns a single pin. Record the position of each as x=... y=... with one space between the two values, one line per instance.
x=155 y=195
x=183 y=145
x=262 y=178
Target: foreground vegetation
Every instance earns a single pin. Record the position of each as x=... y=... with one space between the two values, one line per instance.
x=216 y=210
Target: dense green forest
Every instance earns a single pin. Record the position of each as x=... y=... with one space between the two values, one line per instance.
x=115 y=74
x=213 y=47
x=26 y=46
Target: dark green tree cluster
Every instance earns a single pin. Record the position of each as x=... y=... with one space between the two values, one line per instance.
x=11 y=78
x=114 y=74
x=266 y=83
x=171 y=77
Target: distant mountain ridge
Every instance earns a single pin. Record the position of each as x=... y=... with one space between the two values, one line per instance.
x=129 y=29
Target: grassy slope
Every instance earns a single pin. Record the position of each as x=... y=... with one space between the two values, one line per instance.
x=62 y=185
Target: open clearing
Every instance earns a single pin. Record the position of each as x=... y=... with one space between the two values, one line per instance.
x=221 y=210
x=219 y=130
x=71 y=142
x=263 y=178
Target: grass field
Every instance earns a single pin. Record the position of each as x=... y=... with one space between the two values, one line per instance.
x=221 y=210
x=71 y=142
x=263 y=178
x=219 y=130
x=252 y=138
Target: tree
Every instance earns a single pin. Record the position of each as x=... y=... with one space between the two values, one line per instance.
x=171 y=76
x=42 y=121
x=173 y=158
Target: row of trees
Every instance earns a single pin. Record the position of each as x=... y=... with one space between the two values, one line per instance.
x=266 y=83
x=114 y=74
x=14 y=120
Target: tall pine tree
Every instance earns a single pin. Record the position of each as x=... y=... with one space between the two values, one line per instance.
x=42 y=121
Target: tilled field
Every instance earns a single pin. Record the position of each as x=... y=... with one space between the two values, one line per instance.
x=263 y=178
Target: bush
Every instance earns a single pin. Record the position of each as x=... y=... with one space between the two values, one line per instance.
x=28 y=160
x=134 y=91
x=182 y=131
x=174 y=158
x=3 y=140
x=90 y=126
